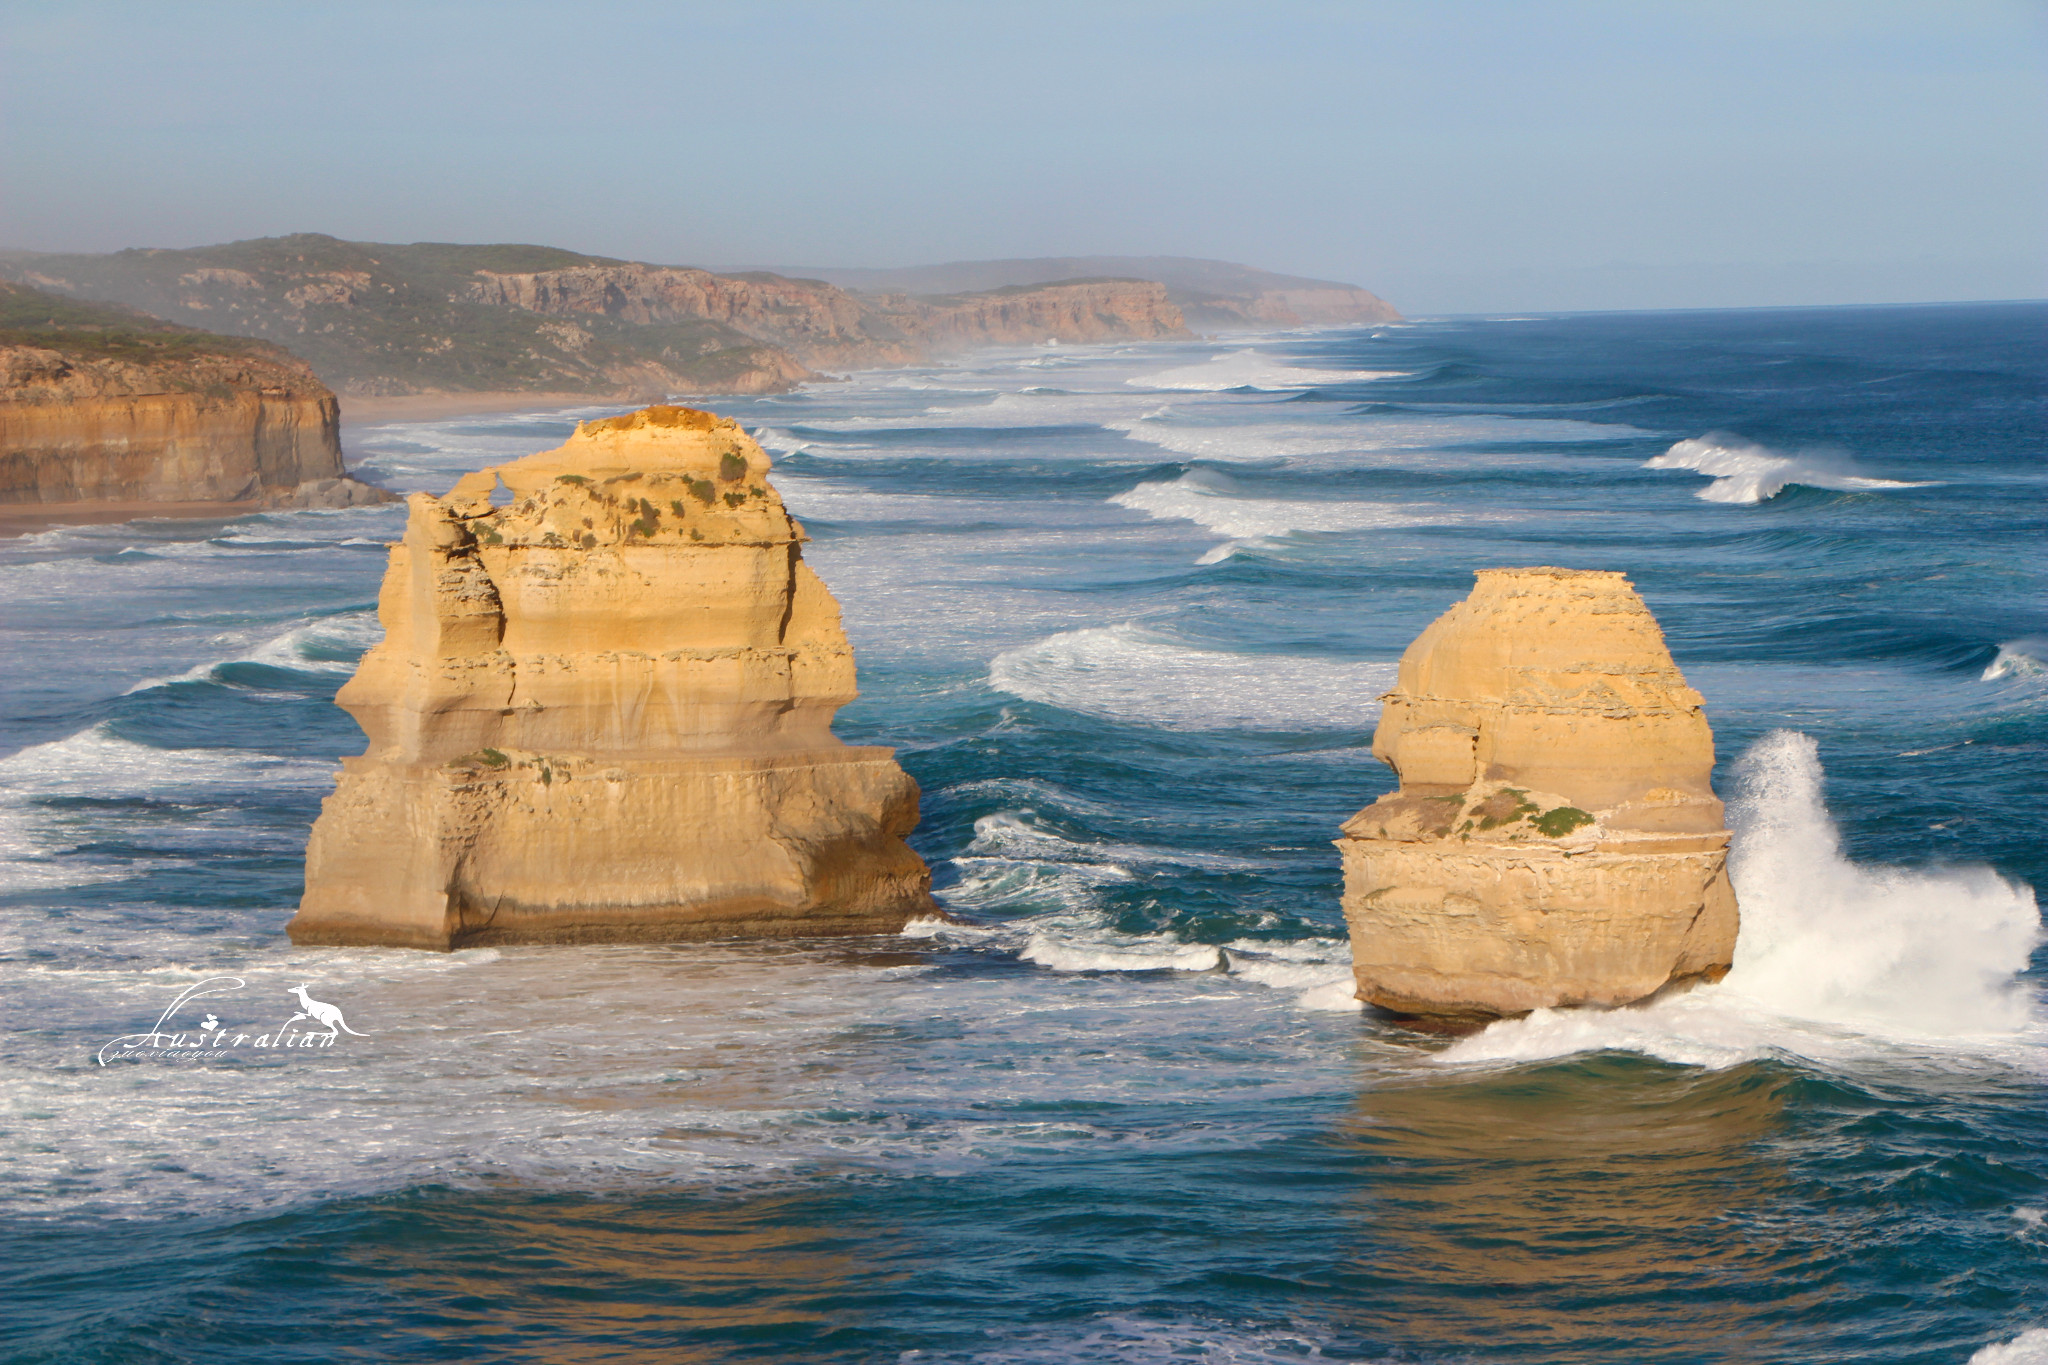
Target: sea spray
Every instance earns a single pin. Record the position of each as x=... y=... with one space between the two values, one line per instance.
x=2028 y=1348
x=1830 y=950
x=1882 y=948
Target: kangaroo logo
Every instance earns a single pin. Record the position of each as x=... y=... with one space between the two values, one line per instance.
x=326 y=1014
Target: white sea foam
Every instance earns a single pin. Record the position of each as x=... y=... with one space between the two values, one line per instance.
x=1318 y=970
x=1252 y=369
x=2028 y=1348
x=2026 y=658
x=1124 y=673
x=1213 y=501
x=1134 y=953
x=1745 y=472
x=1121 y=1339
x=1832 y=955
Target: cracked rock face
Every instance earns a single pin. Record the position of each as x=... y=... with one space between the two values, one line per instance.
x=1555 y=839
x=602 y=711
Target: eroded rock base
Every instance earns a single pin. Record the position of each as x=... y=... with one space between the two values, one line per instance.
x=526 y=848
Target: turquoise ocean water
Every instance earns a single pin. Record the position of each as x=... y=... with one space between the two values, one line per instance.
x=1124 y=612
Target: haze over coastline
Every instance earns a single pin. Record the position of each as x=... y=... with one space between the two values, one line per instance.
x=1466 y=158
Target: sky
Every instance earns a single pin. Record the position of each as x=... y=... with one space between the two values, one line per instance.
x=1451 y=155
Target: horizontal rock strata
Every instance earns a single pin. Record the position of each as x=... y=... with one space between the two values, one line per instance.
x=602 y=711
x=1555 y=839
x=102 y=405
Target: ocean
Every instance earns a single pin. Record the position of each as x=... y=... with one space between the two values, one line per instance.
x=1125 y=613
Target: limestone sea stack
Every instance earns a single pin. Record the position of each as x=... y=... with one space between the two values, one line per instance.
x=603 y=711
x=1555 y=839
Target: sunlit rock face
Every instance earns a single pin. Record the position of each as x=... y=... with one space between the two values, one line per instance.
x=603 y=710
x=1555 y=839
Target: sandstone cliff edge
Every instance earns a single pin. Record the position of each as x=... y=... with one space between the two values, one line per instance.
x=103 y=405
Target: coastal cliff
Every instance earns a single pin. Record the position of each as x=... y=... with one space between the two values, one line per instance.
x=380 y=320
x=603 y=711
x=1067 y=311
x=825 y=326
x=818 y=324
x=101 y=405
x=1216 y=295
x=1555 y=839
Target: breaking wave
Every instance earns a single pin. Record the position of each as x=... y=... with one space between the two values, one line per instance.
x=1745 y=472
x=2028 y=1348
x=1832 y=956
x=1123 y=673
x=1213 y=501
x=2027 y=658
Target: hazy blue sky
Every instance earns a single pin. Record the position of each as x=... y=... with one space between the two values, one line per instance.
x=1454 y=156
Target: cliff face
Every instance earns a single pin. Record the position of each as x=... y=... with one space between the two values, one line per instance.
x=1071 y=311
x=104 y=407
x=604 y=712
x=1322 y=306
x=825 y=326
x=1555 y=839
x=819 y=324
x=1208 y=293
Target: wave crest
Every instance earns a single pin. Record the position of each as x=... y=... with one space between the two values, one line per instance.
x=1745 y=472
x=2027 y=658
x=1213 y=502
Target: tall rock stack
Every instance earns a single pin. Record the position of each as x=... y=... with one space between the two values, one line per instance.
x=602 y=711
x=1555 y=839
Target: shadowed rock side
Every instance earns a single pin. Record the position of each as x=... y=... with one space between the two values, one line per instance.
x=1555 y=839
x=603 y=712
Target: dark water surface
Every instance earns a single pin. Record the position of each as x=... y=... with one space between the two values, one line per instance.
x=1125 y=613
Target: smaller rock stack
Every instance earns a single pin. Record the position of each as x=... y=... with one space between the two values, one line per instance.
x=1555 y=839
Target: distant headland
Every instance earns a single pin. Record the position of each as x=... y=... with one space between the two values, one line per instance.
x=412 y=328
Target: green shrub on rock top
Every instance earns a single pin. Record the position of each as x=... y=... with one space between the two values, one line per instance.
x=1555 y=824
